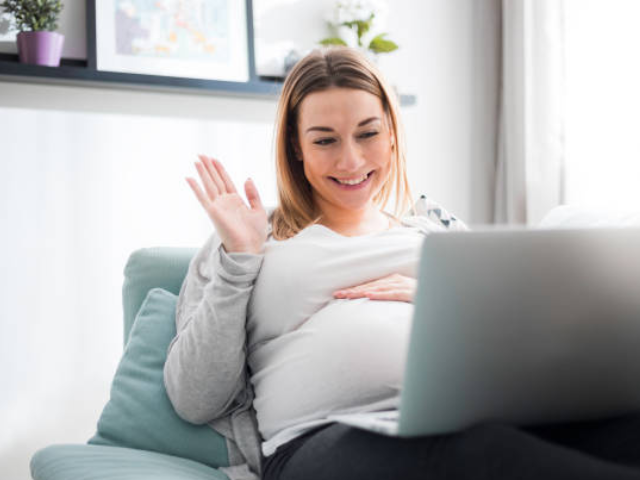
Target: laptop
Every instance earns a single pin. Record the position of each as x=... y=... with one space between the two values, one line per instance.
x=520 y=326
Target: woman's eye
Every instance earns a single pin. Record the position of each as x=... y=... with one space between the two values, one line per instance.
x=368 y=134
x=328 y=141
x=324 y=141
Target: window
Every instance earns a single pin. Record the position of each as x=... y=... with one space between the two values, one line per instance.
x=602 y=103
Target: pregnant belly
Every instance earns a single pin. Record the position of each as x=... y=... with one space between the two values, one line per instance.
x=349 y=356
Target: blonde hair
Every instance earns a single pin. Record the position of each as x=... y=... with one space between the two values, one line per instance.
x=320 y=70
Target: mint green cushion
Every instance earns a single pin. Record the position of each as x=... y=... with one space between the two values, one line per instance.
x=94 y=462
x=139 y=414
x=152 y=267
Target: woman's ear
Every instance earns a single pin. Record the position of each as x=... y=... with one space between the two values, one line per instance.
x=392 y=133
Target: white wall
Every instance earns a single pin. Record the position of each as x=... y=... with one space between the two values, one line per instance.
x=450 y=60
x=87 y=175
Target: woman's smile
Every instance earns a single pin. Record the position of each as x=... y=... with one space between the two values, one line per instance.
x=353 y=183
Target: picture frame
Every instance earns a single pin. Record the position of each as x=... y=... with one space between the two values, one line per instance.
x=193 y=39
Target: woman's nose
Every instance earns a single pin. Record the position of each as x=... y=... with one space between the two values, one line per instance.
x=351 y=158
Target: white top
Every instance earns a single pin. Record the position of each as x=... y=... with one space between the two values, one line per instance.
x=311 y=355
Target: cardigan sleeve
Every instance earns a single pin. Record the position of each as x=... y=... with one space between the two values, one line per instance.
x=205 y=372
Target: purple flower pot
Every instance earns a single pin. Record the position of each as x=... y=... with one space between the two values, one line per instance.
x=40 y=48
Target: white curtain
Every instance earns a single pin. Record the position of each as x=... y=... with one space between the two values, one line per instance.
x=529 y=176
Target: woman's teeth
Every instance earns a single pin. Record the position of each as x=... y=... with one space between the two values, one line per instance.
x=353 y=182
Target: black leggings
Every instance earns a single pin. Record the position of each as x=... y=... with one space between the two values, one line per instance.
x=604 y=449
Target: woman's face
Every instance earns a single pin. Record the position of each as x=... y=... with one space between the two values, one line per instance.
x=346 y=147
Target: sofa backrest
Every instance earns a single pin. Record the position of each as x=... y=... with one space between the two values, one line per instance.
x=147 y=268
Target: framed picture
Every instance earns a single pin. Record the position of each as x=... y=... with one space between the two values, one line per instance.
x=201 y=39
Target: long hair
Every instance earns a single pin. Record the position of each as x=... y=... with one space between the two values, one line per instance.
x=320 y=70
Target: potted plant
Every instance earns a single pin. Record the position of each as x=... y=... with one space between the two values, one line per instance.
x=36 y=22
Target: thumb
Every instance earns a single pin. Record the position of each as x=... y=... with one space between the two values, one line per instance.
x=252 y=194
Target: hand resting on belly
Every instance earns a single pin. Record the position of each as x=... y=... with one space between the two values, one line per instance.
x=392 y=287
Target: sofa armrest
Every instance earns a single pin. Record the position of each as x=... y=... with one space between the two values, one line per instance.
x=87 y=462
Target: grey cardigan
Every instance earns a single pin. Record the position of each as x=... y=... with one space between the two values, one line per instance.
x=206 y=374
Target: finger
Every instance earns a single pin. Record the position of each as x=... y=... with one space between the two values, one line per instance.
x=208 y=184
x=350 y=295
x=381 y=287
x=224 y=176
x=386 y=283
x=252 y=195
x=392 y=295
x=349 y=291
x=355 y=294
x=200 y=195
x=215 y=176
x=210 y=170
x=372 y=288
x=364 y=286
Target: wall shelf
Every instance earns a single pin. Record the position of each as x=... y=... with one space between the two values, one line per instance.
x=84 y=73
x=77 y=73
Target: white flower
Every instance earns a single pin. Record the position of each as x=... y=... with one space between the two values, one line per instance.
x=353 y=10
x=348 y=11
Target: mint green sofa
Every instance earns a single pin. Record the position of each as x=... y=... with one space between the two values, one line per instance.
x=165 y=267
x=146 y=269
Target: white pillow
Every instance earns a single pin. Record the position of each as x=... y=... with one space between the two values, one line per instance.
x=573 y=216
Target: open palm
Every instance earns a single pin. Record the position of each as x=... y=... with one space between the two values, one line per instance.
x=241 y=227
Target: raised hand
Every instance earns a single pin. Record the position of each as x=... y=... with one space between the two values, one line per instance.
x=241 y=228
x=392 y=287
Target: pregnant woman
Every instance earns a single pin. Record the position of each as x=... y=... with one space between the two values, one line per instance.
x=289 y=316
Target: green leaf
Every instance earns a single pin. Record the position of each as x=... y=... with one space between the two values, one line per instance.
x=361 y=26
x=33 y=14
x=333 y=41
x=380 y=45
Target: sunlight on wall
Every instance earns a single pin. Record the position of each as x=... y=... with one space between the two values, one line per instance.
x=603 y=103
